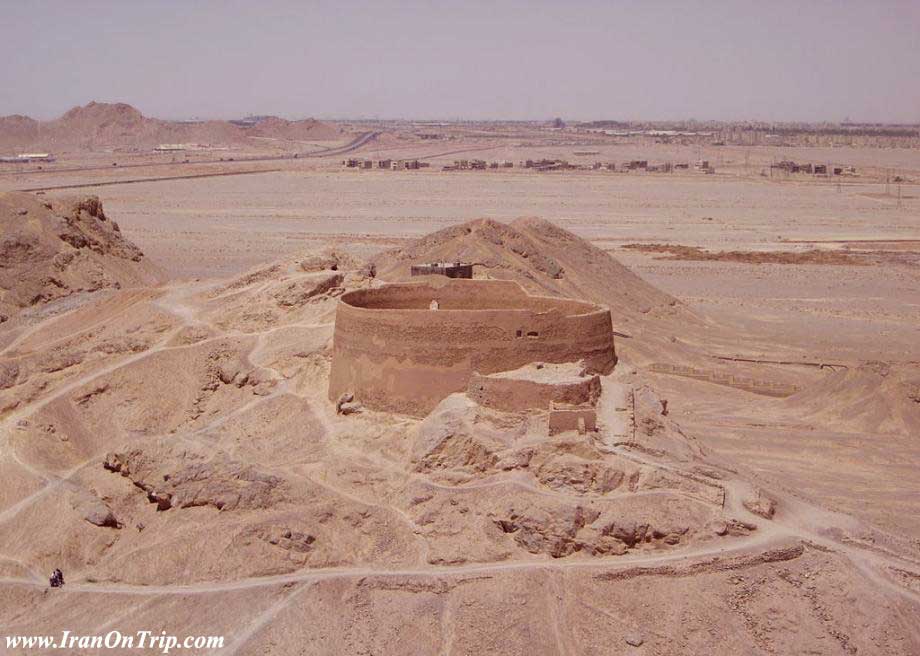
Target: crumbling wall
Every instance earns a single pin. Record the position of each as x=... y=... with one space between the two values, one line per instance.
x=396 y=355
x=763 y=387
x=564 y=418
x=517 y=395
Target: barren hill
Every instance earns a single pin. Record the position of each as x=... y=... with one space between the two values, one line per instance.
x=119 y=125
x=18 y=131
x=49 y=250
x=540 y=255
x=547 y=259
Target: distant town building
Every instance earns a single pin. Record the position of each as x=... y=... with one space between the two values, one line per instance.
x=25 y=158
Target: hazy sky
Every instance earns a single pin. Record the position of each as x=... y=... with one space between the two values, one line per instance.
x=767 y=60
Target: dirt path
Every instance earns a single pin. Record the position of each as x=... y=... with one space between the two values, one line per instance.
x=747 y=550
x=782 y=538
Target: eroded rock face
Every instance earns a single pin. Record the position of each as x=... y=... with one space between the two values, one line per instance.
x=368 y=270
x=562 y=530
x=53 y=250
x=327 y=262
x=551 y=531
x=660 y=434
x=447 y=439
x=226 y=367
x=87 y=226
x=584 y=476
x=299 y=292
x=286 y=539
x=182 y=479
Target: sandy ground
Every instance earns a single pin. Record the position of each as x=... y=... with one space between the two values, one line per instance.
x=221 y=226
x=361 y=549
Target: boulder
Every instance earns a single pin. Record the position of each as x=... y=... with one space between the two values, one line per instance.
x=760 y=504
x=93 y=509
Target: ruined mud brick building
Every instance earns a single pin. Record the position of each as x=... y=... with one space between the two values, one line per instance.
x=395 y=353
x=449 y=269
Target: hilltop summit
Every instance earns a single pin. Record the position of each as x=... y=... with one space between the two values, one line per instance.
x=540 y=255
x=549 y=260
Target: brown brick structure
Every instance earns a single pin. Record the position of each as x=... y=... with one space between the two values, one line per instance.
x=394 y=353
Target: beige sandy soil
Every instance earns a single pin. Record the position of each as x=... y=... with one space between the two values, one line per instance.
x=195 y=477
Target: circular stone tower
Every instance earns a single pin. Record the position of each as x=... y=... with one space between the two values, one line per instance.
x=403 y=347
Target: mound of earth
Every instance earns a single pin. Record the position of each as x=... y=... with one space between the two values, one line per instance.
x=119 y=125
x=546 y=259
x=874 y=397
x=49 y=250
x=541 y=256
x=308 y=129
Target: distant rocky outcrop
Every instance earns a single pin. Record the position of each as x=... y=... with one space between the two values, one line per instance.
x=119 y=125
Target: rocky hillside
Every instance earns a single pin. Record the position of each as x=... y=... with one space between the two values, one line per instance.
x=51 y=249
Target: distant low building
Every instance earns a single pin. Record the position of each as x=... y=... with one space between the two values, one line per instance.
x=449 y=269
x=25 y=158
x=635 y=165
